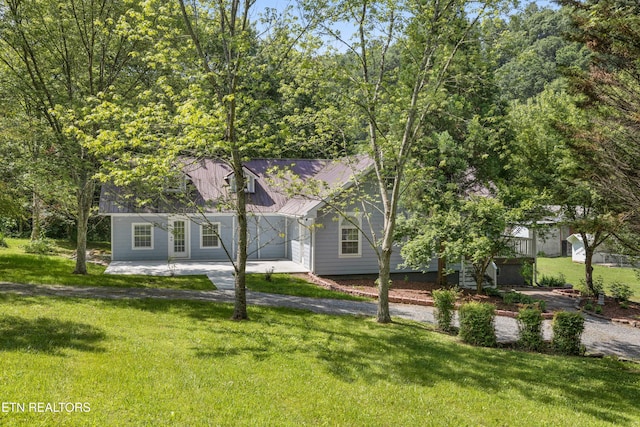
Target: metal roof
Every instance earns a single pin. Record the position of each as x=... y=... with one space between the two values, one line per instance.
x=286 y=186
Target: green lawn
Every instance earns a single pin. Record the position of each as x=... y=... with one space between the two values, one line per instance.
x=573 y=272
x=157 y=362
x=288 y=285
x=20 y=267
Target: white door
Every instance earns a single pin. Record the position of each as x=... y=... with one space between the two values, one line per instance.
x=178 y=238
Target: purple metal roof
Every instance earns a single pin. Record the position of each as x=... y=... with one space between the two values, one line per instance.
x=280 y=185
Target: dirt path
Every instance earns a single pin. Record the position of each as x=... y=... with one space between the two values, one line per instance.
x=600 y=336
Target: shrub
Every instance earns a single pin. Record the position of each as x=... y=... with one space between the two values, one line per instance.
x=444 y=301
x=553 y=281
x=3 y=242
x=476 y=324
x=492 y=292
x=40 y=247
x=567 y=329
x=530 y=329
x=598 y=287
x=620 y=291
x=527 y=273
x=588 y=306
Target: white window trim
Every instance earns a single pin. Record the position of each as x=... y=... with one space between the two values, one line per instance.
x=133 y=237
x=344 y=224
x=202 y=226
x=250 y=183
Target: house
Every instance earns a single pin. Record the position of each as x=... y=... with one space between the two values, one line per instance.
x=202 y=225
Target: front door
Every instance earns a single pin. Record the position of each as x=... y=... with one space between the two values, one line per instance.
x=178 y=238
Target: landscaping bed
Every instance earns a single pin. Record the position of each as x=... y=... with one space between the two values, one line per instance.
x=413 y=292
x=613 y=310
x=419 y=293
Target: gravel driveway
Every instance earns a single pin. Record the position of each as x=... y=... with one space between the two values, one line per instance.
x=600 y=336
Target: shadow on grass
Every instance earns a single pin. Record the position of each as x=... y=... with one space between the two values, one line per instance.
x=47 y=335
x=355 y=349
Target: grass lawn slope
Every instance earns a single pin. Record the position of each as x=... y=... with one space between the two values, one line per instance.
x=165 y=363
x=19 y=267
x=574 y=272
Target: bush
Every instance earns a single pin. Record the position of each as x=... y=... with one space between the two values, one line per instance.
x=517 y=298
x=567 y=329
x=530 y=329
x=553 y=281
x=598 y=287
x=40 y=247
x=527 y=273
x=620 y=291
x=444 y=300
x=588 y=306
x=476 y=324
x=493 y=292
x=3 y=242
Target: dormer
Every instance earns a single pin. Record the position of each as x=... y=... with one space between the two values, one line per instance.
x=250 y=178
x=176 y=184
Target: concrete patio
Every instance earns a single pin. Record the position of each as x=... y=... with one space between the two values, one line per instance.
x=220 y=272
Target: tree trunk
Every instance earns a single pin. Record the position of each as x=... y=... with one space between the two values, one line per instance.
x=441 y=280
x=240 y=303
x=84 y=197
x=35 y=217
x=480 y=272
x=588 y=269
x=384 y=279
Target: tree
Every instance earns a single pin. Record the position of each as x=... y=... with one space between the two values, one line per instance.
x=548 y=172
x=213 y=98
x=610 y=151
x=531 y=51
x=397 y=63
x=61 y=57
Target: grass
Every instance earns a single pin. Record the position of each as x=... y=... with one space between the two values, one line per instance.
x=288 y=285
x=19 y=267
x=574 y=272
x=158 y=362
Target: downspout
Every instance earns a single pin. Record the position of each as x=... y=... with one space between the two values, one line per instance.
x=258 y=236
x=286 y=238
x=112 y=240
x=312 y=248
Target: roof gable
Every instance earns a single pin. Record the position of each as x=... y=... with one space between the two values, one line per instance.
x=210 y=179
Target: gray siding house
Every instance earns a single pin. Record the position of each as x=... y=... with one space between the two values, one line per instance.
x=196 y=222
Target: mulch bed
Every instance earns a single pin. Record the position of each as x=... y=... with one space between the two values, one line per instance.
x=614 y=311
x=419 y=293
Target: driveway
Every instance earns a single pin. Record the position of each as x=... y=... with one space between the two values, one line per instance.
x=600 y=336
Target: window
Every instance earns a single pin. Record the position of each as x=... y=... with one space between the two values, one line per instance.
x=249 y=177
x=209 y=235
x=250 y=184
x=142 y=236
x=350 y=239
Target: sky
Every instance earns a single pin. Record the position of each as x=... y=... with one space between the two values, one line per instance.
x=261 y=5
